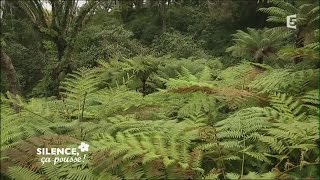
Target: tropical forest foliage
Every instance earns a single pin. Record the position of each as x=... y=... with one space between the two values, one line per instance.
x=160 y=89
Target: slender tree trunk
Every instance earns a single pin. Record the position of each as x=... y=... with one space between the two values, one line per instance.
x=259 y=56
x=10 y=72
x=144 y=87
x=61 y=45
x=63 y=65
x=298 y=44
x=163 y=14
x=260 y=60
x=1 y=9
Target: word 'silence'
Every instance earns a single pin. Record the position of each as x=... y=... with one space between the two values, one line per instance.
x=68 y=155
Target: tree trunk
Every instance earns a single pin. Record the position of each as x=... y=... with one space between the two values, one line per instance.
x=298 y=44
x=260 y=60
x=11 y=74
x=258 y=56
x=163 y=15
x=61 y=45
x=62 y=56
x=144 y=87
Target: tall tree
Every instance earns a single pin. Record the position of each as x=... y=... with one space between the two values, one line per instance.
x=60 y=25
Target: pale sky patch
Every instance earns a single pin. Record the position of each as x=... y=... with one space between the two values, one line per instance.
x=47 y=5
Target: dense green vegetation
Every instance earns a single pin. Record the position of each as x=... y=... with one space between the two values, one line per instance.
x=161 y=89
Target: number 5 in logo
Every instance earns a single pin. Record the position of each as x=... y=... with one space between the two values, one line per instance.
x=292 y=21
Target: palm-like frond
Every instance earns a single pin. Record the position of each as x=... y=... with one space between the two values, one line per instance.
x=307 y=16
x=148 y=146
x=63 y=18
x=78 y=87
x=280 y=11
x=257 y=43
x=205 y=123
x=17 y=172
x=284 y=80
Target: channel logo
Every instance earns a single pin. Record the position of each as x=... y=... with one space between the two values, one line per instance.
x=292 y=21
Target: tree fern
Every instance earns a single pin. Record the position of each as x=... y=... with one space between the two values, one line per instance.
x=186 y=78
x=174 y=68
x=32 y=120
x=307 y=17
x=10 y=127
x=241 y=75
x=307 y=53
x=307 y=13
x=171 y=148
x=80 y=82
x=257 y=44
x=109 y=101
x=53 y=172
x=243 y=126
x=142 y=68
x=284 y=80
x=287 y=108
x=17 y=172
x=311 y=100
x=294 y=131
x=201 y=123
x=188 y=83
x=197 y=104
x=78 y=87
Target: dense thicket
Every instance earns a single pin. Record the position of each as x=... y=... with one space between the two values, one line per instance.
x=161 y=89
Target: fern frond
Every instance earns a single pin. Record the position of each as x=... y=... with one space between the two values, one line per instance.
x=16 y=172
x=241 y=75
x=311 y=100
x=78 y=87
x=80 y=82
x=168 y=147
x=284 y=80
x=288 y=109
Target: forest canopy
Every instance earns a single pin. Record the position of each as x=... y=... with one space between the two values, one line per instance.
x=159 y=89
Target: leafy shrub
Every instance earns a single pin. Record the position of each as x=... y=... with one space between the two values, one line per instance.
x=177 y=45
